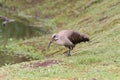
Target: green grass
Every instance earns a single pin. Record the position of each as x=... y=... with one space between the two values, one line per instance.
x=97 y=60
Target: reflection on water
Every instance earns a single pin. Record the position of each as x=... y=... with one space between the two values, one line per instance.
x=9 y=59
x=19 y=31
x=16 y=30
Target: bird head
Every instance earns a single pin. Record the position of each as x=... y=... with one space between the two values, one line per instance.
x=54 y=38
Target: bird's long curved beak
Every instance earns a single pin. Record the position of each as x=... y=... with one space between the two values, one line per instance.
x=50 y=43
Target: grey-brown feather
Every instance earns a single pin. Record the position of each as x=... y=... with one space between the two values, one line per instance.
x=69 y=39
x=74 y=36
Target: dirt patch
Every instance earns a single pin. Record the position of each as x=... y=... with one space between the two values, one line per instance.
x=63 y=78
x=2 y=76
x=84 y=19
x=90 y=3
x=42 y=64
x=114 y=4
x=103 y=18
x=94 y=79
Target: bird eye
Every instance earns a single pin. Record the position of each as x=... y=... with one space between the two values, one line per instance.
x=54 y=36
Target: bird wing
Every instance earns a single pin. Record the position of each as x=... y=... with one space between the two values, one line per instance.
x=75 y=37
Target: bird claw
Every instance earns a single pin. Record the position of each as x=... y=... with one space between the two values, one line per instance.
x=67 y=53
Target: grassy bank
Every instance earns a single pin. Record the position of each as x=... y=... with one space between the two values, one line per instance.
x=96 y=60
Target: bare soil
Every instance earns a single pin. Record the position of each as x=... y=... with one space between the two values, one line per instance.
x=42 y=64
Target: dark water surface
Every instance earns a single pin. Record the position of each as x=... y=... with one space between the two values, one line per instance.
x=16 y=30
x=19 y=30
x=9 y=59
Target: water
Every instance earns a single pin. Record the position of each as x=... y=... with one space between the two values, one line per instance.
x=19 y=30
x=10 y=59
x=16 y=30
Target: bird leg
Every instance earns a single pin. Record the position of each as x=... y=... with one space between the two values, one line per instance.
x=67 y=53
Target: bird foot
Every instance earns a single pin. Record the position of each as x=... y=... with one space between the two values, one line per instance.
x=67 y=53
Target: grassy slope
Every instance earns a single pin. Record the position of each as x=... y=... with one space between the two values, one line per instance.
x=99 y=59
